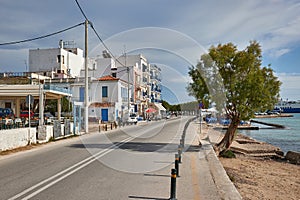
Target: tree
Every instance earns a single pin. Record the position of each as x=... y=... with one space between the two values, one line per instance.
x=236 y=82
x=51 y=105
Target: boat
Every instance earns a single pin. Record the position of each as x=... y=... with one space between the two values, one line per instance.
x=287 y=107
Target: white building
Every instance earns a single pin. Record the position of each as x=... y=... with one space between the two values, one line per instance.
x=65 y=62
x=135 y=69
x=108 y=98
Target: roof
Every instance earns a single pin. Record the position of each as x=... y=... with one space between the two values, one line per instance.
x=108 y=78
x=52 y=92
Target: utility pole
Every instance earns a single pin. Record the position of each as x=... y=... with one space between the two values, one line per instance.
x=86 y=91
x=128 y=70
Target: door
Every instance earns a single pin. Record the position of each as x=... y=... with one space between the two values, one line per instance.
x=104 y=114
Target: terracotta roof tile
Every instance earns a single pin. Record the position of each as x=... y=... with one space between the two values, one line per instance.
x=108 y=78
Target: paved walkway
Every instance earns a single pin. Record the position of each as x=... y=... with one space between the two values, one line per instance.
x=202 y=176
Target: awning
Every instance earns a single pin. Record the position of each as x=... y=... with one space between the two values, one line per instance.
x=150 y=110
x=160 y=107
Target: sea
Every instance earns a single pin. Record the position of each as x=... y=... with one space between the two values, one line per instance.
x=287 y=139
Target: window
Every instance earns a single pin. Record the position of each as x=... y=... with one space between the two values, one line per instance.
x=60 y=59
x=124 y=94
x=104 y=91
x=81 y=94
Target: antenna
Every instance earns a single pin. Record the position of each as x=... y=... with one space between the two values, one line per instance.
x=25 y=61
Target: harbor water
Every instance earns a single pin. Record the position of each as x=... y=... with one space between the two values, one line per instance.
x=287 y=139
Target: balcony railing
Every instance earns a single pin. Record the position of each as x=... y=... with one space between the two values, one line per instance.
x=57 y=88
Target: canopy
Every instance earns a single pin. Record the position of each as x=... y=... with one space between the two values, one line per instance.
x=160 y=107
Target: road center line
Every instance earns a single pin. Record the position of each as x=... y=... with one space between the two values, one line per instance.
x=77 y=167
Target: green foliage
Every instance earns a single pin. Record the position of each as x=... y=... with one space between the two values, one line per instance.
x=227 y=154
x=189 y=106
x=51 y=105
x=166 y=105
x=237 y=78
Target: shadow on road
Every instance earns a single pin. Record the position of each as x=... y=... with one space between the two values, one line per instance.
x=153 y=198
x=141 y=147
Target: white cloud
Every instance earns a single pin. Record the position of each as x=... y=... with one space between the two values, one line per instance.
x=279 y=52
x=290 y=85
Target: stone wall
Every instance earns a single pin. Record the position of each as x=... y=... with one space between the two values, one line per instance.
x=293 y=157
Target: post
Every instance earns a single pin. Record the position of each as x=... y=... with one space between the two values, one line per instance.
x=173 y=185
x=86 y=86
x=200 y=119
x=29 y=116
x=177 y=164
x=41 y=104
x=128 y=93
x=179 y=153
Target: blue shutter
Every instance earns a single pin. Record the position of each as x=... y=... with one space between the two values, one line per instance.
x=81 y=94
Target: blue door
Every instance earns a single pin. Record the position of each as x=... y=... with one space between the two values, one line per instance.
x=104 y=115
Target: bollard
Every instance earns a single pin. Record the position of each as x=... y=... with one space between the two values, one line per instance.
x=180 y=149
x=173 y=185
x=99 y=128
x=177 y=164
x=111 y=126
x=179 y=155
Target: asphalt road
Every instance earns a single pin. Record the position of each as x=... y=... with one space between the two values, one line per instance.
x=128 y=163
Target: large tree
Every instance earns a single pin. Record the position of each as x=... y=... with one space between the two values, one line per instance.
x=236 y=82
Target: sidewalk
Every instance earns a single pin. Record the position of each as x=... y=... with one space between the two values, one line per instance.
x=202 y=176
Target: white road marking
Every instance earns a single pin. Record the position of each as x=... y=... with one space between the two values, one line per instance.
x=77 y=167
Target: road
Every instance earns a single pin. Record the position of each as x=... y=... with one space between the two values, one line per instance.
x=127 y=163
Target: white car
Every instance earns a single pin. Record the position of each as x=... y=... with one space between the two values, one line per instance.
x=132 y=119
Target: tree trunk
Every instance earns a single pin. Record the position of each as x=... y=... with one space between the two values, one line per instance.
x=227 y=140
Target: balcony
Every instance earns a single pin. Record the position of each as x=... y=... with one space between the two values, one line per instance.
x=52 y=87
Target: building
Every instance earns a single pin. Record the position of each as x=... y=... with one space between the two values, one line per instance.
x=108 y=98
x=135 y=69
x=136 y=84
x=62 y=61
x=16 y=87
x=155 y=90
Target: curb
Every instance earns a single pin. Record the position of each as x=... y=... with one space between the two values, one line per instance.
x=225 y=188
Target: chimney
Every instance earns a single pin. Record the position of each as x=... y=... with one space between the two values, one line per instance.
x=61 y=44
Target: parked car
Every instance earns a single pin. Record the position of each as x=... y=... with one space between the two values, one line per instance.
x=48 y=117
x=6 y=112
x=25 y=114
x=132 y=119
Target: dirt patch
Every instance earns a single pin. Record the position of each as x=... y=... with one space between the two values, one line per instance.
x=11 y=151
x=258 y=178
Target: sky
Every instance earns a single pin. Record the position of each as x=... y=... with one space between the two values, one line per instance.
x=170 y=33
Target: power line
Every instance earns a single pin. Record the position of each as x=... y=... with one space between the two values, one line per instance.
x=98 y=36
x=41 y=37
x=81 y=10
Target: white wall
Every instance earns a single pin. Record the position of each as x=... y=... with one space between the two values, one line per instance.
x=96 y=91
x=14 y=138
x=43 y=59
x=46 y=60
x=102 y=67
